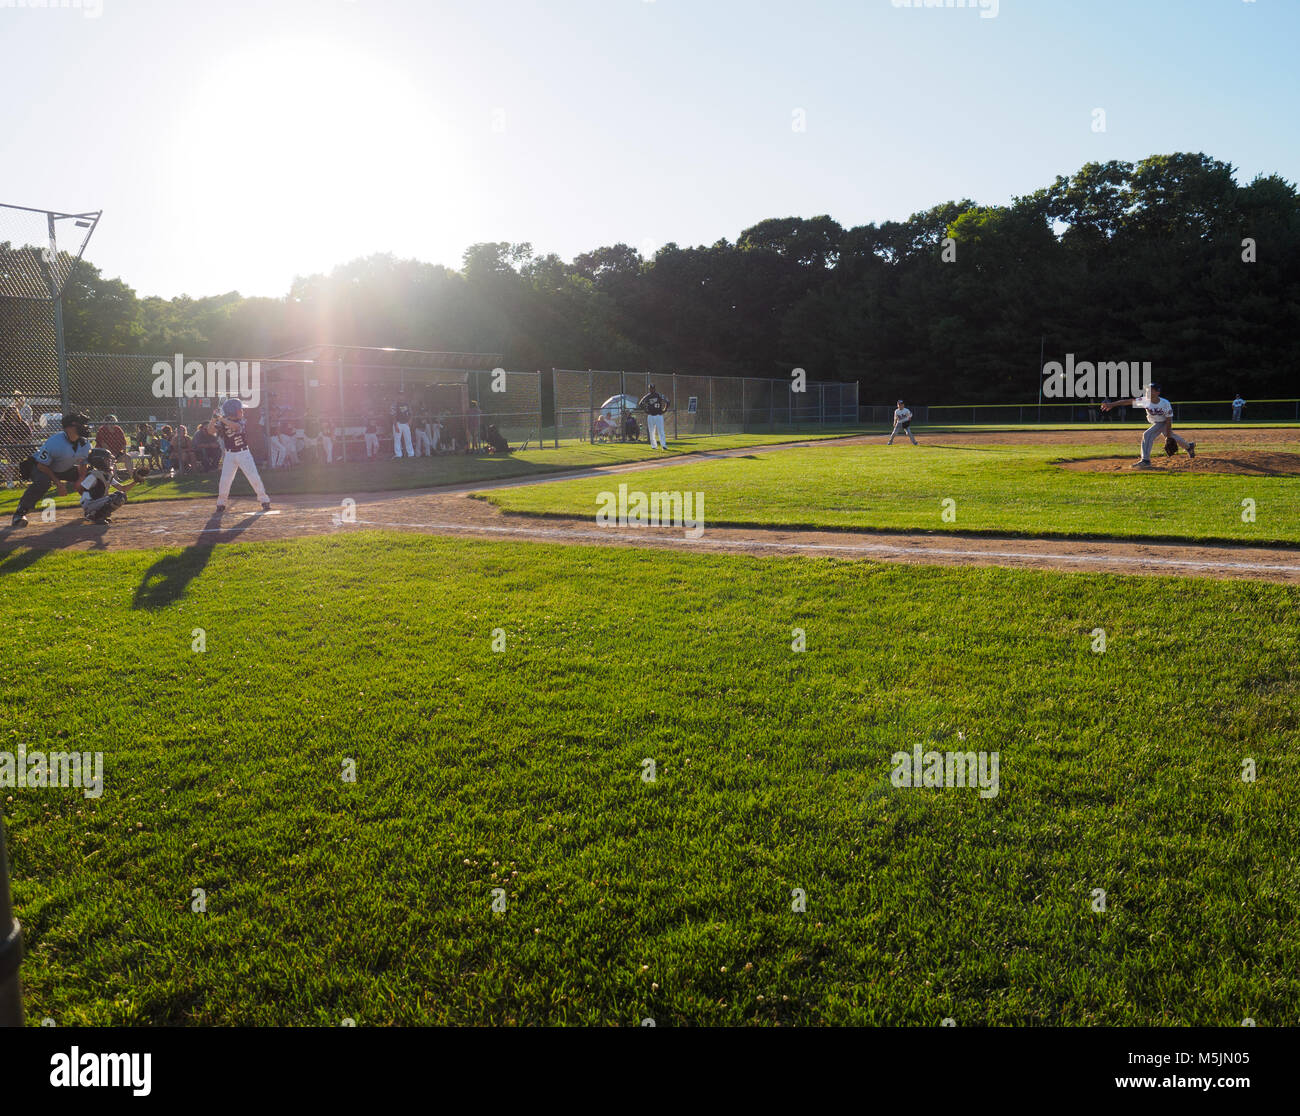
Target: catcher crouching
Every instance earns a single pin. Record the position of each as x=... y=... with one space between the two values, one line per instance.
x=101 y=492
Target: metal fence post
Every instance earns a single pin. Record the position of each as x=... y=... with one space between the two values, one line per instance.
x=713 y=426
x=591 y=406
x=555 y=407
x=675 y=402
x=11 y=947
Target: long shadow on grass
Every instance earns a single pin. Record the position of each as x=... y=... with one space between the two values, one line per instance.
x=64 y=535
x=164 y=583
x=14 y=561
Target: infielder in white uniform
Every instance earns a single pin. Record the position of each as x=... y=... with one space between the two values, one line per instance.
x=228 y=424
x=1160 y=414
x=902 y=422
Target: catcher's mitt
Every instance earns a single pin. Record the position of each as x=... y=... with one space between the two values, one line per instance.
x=1171 y=447
x=140 y=472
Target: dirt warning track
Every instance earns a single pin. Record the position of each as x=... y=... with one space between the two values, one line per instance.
x=192 y=523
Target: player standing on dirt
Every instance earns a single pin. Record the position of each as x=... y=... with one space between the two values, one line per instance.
x=1160 y=414
x=902 y=422
x=229 y=425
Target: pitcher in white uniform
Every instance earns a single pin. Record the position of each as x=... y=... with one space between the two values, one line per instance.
x=1160 y=414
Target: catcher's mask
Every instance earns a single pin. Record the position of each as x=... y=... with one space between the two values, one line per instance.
x=102 y=460
x=80 y=422
x=232 y=409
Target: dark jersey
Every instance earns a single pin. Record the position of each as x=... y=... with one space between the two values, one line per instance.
x=232 y=435
x=402 y=412
x=653 y=403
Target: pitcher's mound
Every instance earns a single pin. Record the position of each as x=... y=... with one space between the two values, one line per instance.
x=1250 y=463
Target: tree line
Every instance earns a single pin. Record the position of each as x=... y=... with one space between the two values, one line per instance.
x=1168 y=260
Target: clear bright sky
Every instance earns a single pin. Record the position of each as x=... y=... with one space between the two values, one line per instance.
x=233 y=145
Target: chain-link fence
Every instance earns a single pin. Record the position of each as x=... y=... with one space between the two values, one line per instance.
x=38 y=250
x=344 y=399
x=594 y=405
x=1084 y=411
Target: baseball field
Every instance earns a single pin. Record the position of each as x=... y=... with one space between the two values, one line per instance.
x=473 y=755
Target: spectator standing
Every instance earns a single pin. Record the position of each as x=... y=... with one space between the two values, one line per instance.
x=1237 y=405
x=15 y=444
x=23 y=408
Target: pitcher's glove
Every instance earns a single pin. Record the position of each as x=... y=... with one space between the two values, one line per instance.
x=140 y=472
x=1171 y=447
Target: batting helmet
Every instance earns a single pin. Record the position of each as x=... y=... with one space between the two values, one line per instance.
x=101 y=459
x=232 y=408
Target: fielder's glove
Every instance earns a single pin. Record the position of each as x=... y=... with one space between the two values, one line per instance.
x=140 y=472
x=1171 y=447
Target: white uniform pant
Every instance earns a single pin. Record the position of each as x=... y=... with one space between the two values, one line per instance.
x=284 y=450
x=902 y=428
x=1153 y=432
x=402 y=436
x=372 y=444
x=655 y=425
x=422 y=444
x=232 y=463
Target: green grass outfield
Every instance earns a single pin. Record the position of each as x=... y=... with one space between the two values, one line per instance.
x=387 y=474
x=625 y=899
x=1007 y=489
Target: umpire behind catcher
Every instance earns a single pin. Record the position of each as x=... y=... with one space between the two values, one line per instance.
x=61 y=459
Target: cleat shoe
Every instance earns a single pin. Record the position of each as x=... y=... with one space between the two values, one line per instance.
x=19 y=520
x=266 y=505
x=1191 y=449
x=1141 y=465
